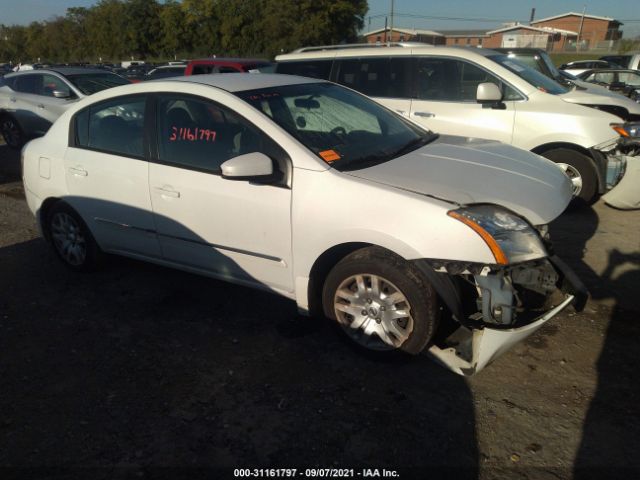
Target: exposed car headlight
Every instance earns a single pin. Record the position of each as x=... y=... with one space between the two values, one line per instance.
x=510 y=238
x=627 y=130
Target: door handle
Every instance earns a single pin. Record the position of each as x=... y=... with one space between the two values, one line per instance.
x=402 y=112
x=13 y=99
x=78 y=172
x=40 y=105
x=167 y=192
x=424 y=114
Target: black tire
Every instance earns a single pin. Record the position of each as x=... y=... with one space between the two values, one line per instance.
x=396 y=275
x=71 y=239
x=584 y=167
x=12 y=132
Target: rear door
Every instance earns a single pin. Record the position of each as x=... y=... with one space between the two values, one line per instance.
x=27 y=104
x=446 y=100
x=107 y=175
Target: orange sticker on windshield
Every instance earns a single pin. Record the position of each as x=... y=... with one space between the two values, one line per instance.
x=329 y=155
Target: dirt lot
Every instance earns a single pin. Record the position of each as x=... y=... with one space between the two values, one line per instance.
x=139 y=371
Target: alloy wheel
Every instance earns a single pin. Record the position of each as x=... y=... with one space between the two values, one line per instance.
x=68 y=238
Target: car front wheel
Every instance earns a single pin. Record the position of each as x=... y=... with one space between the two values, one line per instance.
x=381 y=301
x=581 y=171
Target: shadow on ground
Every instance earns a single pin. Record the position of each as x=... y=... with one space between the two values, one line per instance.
x=137 y=367
x=609 y=443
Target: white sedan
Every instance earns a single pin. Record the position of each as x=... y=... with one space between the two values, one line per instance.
x=409 y=240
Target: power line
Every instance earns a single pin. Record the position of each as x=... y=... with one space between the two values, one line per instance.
x=437 y=17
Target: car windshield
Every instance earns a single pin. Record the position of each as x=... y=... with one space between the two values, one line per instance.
x=90 y=83
x=345 y=129
x=534 y=77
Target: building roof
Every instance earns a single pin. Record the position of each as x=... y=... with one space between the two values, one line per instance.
x=408 y=31
x=464 y=33
x=595 y=17
x=535 y=29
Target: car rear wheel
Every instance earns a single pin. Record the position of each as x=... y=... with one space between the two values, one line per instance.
x=11 y=132
x=581 y=171
x=71 y=239
x=381 y=302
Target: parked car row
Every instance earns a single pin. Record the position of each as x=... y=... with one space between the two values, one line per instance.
x=407 y=239
x=415 y=219
x=488 y=94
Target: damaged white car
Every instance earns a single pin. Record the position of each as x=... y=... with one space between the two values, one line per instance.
x=409 y=240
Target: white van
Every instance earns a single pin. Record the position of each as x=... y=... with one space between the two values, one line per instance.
x=478 y=93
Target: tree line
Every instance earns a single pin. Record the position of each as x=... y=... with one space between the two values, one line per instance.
x=115 y=30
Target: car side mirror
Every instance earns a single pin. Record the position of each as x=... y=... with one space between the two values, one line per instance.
x=247 y=167
x=489 y=96
x=62 y=93
x=488 y=92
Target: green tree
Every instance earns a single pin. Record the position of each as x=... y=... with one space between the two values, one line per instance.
x=174 y=40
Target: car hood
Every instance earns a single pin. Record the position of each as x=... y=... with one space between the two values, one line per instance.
x=598 y=95
x=466 y=170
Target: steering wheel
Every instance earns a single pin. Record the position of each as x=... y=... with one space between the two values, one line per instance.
x=339 y=132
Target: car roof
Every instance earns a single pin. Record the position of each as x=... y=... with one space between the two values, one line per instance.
x=607 y=70
x=167 y=67
x=464 y=52
x=582 y=62
x=238 y=82
x=241 y=61
x=64 y=71
x=519 y=50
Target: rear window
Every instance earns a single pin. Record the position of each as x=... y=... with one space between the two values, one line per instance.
x=90 y=83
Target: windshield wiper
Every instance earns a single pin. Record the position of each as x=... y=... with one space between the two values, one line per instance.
x=414 y=145
x=384 y=156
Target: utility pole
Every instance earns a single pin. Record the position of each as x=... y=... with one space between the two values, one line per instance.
x=391 y=28
x=580 y=30
x=386 y=36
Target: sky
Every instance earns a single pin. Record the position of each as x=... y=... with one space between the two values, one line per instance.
x=467 y=12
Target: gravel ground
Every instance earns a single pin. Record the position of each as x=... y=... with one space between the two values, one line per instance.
x=139 y=371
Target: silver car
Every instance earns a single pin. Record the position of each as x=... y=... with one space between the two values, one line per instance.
x=32 y=100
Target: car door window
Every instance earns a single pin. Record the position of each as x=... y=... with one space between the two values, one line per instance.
x=447 y=79
x=51 y=83
x=376 y=77
x=313 y=69
x=604 y=77
x=202 y=135
x=116 y=126
x=29 y=84
x=203 y=69
x=629 y=78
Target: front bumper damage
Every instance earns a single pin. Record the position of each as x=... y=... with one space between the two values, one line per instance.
x=511 y=303
x=619 y=180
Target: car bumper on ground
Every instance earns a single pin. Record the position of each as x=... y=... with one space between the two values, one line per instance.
x=471 y=347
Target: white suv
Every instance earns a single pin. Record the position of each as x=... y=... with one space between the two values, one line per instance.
x=313 y=191
x=476 y=93
x=30 y=101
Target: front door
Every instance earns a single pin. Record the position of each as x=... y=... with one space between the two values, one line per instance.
x=446 y=100
x=235 y=229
